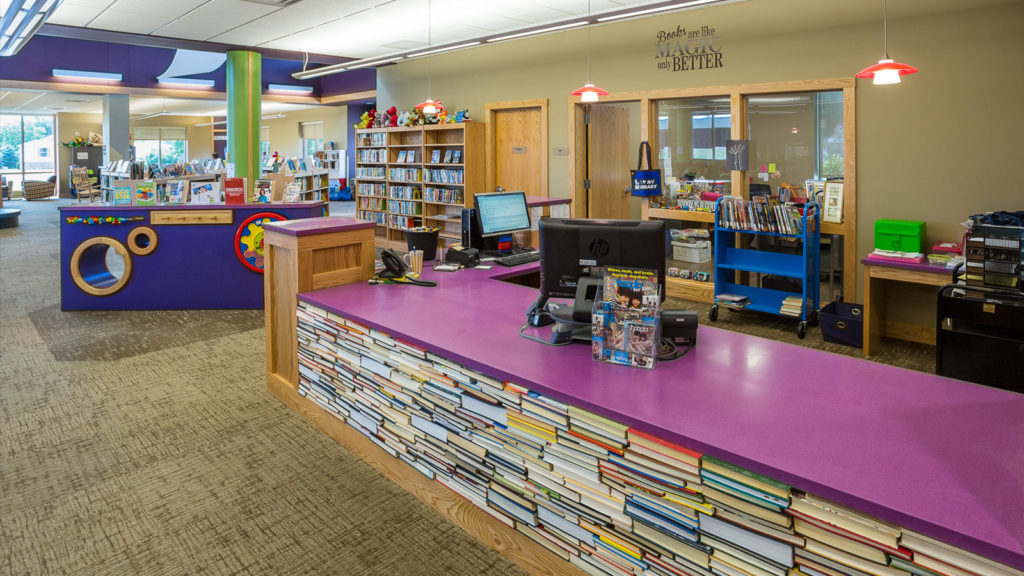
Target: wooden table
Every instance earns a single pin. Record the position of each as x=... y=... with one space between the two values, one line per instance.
x=877 y=274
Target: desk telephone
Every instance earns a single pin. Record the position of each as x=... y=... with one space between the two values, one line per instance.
x=395 y=271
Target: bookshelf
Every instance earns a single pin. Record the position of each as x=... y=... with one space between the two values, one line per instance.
x=419 y=176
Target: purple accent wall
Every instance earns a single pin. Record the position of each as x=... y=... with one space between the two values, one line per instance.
x=140 y=65
x=345 y=83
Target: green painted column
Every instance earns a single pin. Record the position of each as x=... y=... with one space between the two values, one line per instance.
x=245 y=85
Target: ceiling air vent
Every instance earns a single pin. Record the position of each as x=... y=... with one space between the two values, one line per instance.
x=277 y=3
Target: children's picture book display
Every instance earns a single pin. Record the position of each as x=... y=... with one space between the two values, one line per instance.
x=123 y=195
x=176 y=192
x=262 y=192
x=234 y=190
x=205 y=193
x=145 y=193
x=626 y=315
x=292 y=192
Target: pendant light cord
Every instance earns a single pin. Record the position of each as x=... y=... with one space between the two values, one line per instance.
x=588 y=42
x=885 y=29
x=430 y=57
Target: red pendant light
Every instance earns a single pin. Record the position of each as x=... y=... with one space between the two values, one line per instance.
x=887 y=71
x=429 y=106
x=588 y=92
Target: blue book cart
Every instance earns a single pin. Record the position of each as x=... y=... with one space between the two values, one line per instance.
x=804 y=265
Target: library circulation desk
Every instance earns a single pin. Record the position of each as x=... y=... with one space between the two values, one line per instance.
x=433 y=384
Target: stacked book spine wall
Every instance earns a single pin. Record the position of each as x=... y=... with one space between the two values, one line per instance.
x=606 y=497
x=378 y=217
x=443 y=195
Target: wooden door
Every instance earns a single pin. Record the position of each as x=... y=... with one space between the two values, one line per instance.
x=519 y=150
x=608 y=161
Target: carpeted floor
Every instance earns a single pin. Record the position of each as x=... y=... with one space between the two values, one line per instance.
x=145 y=443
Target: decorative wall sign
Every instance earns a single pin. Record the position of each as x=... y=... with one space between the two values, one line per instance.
x=249 y=239
x=103 y=219
x=686 y=49
x=737 y=154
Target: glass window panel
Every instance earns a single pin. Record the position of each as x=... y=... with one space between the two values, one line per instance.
x=147 y=151
x=37 y=155
x=690 y=145
x=800 y=133
x=171 y=151
x=10 y=143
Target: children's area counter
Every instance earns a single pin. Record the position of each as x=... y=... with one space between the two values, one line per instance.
x=941 y=457
x=167 y=257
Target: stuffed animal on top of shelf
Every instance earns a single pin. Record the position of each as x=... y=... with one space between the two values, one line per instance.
x=392 y=116
x=416 y=118
x=380 y=120
x=403 y=118
x=364 y=121
x=462 y=116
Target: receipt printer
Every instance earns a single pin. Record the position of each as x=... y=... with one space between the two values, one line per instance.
x=679 y=326
x=466 y=257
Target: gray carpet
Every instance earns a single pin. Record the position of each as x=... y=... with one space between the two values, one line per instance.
x=146 y=443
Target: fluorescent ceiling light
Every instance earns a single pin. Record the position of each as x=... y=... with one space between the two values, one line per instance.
x=290 y=88
x=148 y=116
x=20 y=21
x=198 y=82
x=219 y=122
x=655 y=10
x=372 y=63
x=540 y=31
x=444 y=49
x=89 y=74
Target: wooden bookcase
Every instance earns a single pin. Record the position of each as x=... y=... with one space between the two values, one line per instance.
x=408 y=177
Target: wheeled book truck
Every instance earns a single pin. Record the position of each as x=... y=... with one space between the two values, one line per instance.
x=804 y=266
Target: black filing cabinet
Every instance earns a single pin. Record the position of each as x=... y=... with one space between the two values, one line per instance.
x=980 y=336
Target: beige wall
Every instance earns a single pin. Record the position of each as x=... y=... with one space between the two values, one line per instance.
x=284 y=132
x=939 y=147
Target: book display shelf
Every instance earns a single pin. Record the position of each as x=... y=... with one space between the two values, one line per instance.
x=314 y=183
x=417 y=176
x=744 y=234
x=122 y=179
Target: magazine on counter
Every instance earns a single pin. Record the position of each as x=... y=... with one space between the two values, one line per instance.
x=626 y=317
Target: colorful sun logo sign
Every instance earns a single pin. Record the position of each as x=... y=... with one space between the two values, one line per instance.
x=249 y=239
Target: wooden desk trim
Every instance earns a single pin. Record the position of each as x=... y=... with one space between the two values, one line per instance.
x=875 y=324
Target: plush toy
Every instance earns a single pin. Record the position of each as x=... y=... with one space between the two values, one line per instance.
x=364 y=121
x=462 y=116
x=380 y=120
x=403 y=118
x=441 y=117
x=392 y=116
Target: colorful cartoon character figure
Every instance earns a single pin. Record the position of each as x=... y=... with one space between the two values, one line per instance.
x=462 y=116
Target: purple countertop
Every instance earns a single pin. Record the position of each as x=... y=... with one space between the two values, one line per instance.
x=920 y=267
x=110 y=208
x=936 y=455
x=537 y=201
x=324 y=225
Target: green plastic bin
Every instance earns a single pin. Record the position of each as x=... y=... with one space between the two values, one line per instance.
x=901 y=235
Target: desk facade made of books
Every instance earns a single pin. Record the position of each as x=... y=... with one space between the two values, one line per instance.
x=529 y=447
x=167 y=257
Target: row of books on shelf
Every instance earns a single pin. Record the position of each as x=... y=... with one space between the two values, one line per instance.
x=443 y=195
x=373 y=139
x=371 y=189
x=611 y=499
x=761 y=215
x=231 y=191
x=405 y=192
x=445 y=175
x=294 y=164
x=406 y=156
x=402 y=222
x=405 y=174
x=375 y=172
x=137 y=170
x=378 y=217
x=372 y=155
x=405 y=207
x=372 y=204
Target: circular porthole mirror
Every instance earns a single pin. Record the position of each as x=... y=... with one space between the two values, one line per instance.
x=101 y=266
x=142 y=240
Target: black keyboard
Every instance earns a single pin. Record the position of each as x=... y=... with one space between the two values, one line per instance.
x=517 y=259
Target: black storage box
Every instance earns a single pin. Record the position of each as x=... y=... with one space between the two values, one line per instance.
x=843 y=323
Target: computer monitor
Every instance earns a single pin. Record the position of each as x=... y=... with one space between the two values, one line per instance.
x=501 y=213
x=574 y=251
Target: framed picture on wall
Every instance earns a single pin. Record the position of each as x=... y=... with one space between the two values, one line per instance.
x=832 y=211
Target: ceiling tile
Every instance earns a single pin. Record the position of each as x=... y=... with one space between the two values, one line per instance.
x=172 y=9
x=71 y=15
x=213 y=18
x=135 y=22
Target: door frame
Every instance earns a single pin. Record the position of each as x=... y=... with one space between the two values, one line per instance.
x=491 y=149
x=578 y=146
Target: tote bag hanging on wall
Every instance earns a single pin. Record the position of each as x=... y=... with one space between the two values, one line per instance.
x=645 y=182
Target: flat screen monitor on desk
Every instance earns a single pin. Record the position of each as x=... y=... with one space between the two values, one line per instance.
x=574 y=252
x=501 y=213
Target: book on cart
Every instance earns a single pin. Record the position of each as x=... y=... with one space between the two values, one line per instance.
x=734 y=301
x=792 y=305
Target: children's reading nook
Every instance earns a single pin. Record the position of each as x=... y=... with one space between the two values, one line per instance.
x=709 y=288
